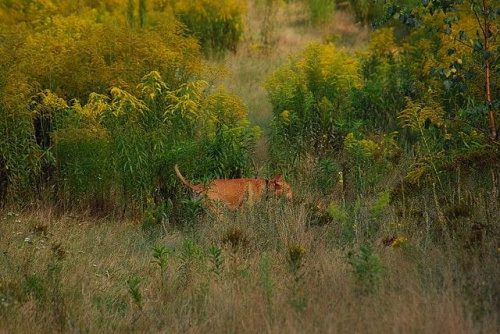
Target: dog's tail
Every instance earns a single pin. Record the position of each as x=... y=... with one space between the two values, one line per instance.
x=186 y=182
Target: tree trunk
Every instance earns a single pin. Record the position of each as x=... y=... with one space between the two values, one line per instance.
x=491 y=113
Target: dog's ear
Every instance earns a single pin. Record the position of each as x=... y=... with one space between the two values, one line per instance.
x=278 y=180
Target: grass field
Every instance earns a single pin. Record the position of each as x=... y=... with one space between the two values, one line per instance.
x=273 y=268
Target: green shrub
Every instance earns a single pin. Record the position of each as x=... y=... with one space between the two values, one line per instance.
x=20 y=156
x=320 y=11
x=386 y=83
x=367 y=270
x=83 y=161
x=310 y=101
x=365 y=10
x=369 y=160
x=120 y=149
x=218 y=25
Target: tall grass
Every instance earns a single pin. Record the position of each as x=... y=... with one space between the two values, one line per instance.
x=267 y=268
x=320 y=11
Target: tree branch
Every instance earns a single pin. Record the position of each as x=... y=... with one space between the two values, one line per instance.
x=478 y=19
x=467 y=45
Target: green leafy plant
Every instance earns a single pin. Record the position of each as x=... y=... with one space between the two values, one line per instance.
x=454 y=22
x=161 y=254
x=380 y=204
x=218 y=25
x=369 y=160
x=420 y=117
x=309 y=96
x=96 y=128
x=134 y=291
x=367 y=270
x=215 y=253
x=386 y=82
x=190 y=253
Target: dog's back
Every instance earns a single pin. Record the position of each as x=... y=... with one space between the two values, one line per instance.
x=233 y=192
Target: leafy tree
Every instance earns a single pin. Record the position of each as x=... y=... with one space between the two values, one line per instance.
x=469 y=32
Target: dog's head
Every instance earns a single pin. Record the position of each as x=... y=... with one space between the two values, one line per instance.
x=281 y=187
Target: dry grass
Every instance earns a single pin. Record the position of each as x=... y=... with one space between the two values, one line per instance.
x=61 y=273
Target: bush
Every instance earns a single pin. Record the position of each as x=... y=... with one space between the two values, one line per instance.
x=386 y=82
x=320 y=10
x=134 y=143
x=367 y=270
x=218 y=25
x=111 y=109
x=369 y=161
x=310 y=101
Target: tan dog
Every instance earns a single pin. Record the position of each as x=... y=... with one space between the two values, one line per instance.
x=233 y=192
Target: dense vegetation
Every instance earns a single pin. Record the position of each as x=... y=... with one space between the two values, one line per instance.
x=390 y=145
x=97 y=110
